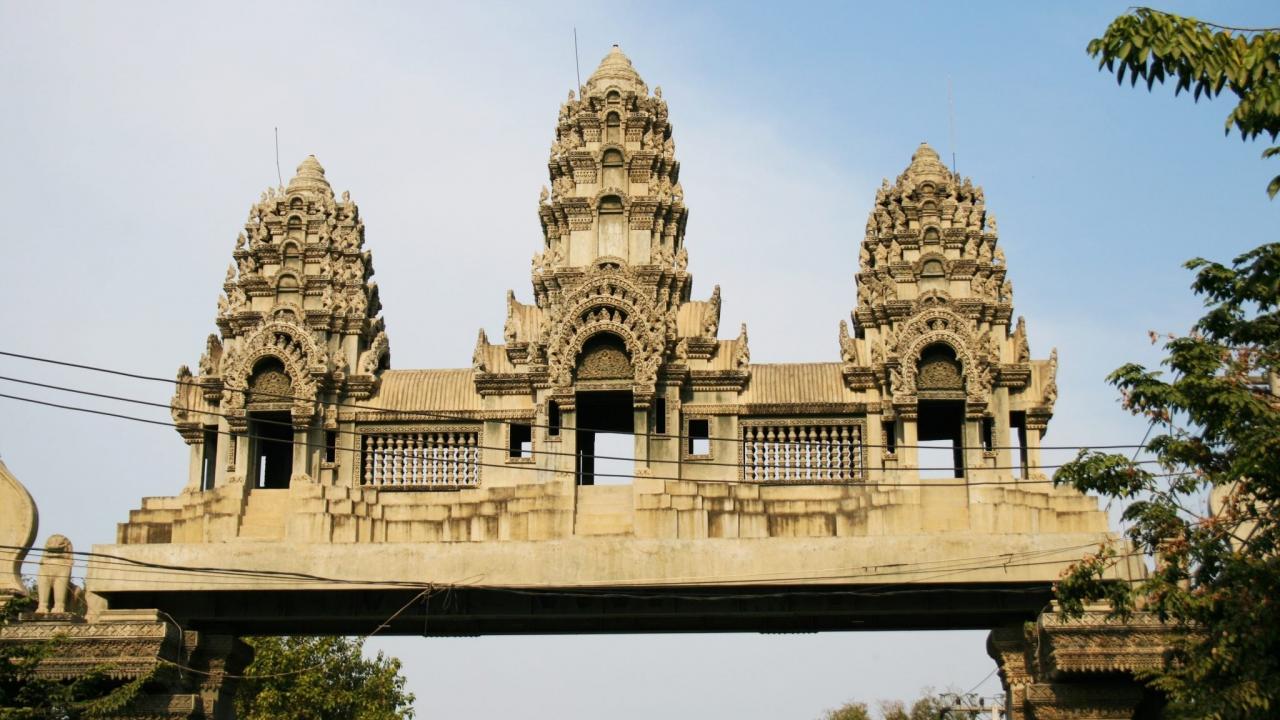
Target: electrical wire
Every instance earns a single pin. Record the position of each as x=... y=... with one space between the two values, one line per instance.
x=529 y=468
x=532 y=451
x=432 y=415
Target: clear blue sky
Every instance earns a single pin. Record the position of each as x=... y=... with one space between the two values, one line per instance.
x=135 y=137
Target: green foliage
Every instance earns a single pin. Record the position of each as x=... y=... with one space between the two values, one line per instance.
x=1203 y=59
x=848 y=711
x=927 y=707
x=1216 y=422
x=325 y=678
x=1214 y=416
x=26 y=696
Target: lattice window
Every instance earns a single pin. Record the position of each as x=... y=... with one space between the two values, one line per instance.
x=802 y=452
x=421 y=460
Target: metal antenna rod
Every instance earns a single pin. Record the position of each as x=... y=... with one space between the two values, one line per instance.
x=577 y=71
x=951 y=115
x=279 y=177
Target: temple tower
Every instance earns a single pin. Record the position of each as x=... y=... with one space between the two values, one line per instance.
x=932 y=331
x=608 y=342
x=299 y=330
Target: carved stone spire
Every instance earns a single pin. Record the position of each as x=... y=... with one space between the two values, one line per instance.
x=298 y=293
x=931 y=276
x=613 y=259
x=615 y=192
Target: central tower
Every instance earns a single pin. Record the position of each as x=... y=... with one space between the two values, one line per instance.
x=612 y=332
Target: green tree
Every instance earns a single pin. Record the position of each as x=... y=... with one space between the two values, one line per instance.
x=848 y=711
x=321 y=678
x=1214 y=415
x=25 y=695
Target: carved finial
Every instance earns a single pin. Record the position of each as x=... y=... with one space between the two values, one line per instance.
x=241 y=240
x=478 y=357
x=742 y=357
x=1051 y=382
x=53 y=582
x=657 y=91
x=346 y=196
x=509 y=327
x=848 y=346
x=543 y=195
x=991 y=223
x=231 y=273
x=571 y=96
x=711 y=320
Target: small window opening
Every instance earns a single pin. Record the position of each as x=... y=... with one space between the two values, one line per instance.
x=331 y=446
x=614 y=175
x=209 y=453
x=888 y=430
x=612 y=240
x=700 y=437
x=660 y=419
x=1018 y=424
x=613 y=128
x=553 y=418
x=520 y=441
x=988 y=433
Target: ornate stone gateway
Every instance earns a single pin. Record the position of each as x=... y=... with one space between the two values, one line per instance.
x=328 y=492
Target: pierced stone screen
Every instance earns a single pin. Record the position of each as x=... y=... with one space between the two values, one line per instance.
x=421 y=460
x=801 y=453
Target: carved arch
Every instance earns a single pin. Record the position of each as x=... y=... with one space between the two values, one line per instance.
x=939 y=325
x=376 y=357
x=295 y=348
x=608 y=303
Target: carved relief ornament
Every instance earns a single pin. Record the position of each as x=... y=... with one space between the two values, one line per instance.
x=297 y=351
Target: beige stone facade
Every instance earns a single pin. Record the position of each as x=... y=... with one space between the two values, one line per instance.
x=330 y=493
x=301 y=431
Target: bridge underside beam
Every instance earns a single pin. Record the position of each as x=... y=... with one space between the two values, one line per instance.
x=469 y=611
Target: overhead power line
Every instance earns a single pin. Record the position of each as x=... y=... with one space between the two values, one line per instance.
x=434 y=415
x=357 y=434
x=528 y=468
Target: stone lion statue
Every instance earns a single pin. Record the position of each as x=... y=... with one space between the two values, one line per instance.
x=53 y=582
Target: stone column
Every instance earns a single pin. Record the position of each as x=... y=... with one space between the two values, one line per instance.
x=1009 y=648
x=1084 y=700
x=219 y=661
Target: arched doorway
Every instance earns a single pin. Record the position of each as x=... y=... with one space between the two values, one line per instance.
x=605 y=411
x=270 y=425
x=940 y=412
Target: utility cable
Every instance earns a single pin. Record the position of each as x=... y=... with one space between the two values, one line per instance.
x=524 y=467
x=433 y=415
x=818 y=446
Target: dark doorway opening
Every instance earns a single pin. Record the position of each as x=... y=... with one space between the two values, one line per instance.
x=940 y=427
x=606 y=427
x=272 y=445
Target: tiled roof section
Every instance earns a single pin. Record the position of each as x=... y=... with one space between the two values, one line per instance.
x=794 y=383
x=426 y=390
